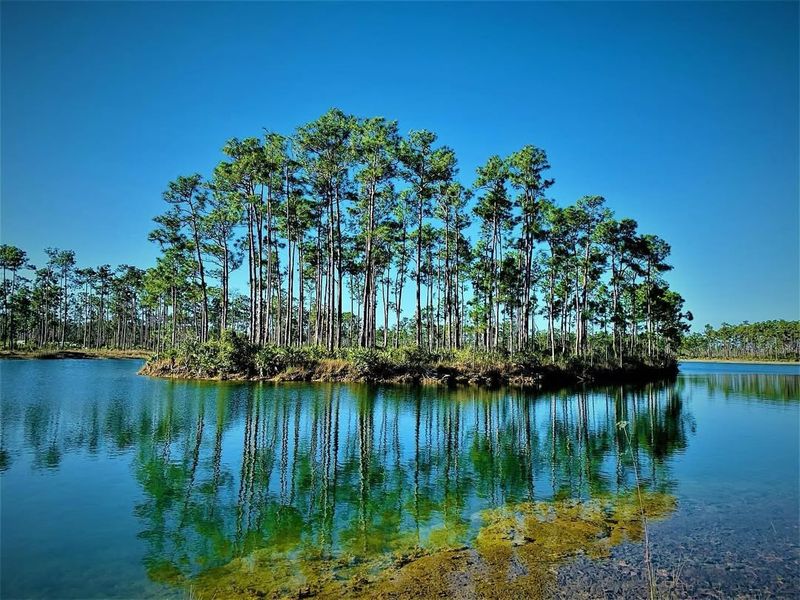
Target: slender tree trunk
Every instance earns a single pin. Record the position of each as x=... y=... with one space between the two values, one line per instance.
x=254 y=324
x=64 y=313
x=300 y=299
x=368 y=268
x=386 y=282
x=419 y=271
x=338 y=332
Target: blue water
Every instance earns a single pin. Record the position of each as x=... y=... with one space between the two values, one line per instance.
x=115 y=485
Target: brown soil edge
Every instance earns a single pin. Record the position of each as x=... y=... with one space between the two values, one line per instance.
x=339 y=371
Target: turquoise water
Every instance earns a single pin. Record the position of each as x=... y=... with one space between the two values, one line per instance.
x=117 y=485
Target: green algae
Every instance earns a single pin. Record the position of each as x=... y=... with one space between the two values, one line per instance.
x=515 y=553
x=165 y=572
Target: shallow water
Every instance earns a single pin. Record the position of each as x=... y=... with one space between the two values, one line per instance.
x=116 y=485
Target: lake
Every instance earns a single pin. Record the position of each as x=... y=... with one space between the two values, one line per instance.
x=119 y=486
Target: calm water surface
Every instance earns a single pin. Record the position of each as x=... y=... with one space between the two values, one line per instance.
x=116 y=485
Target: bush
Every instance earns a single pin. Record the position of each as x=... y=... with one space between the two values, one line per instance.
x=234 y=353
x=526 y=360
x=189 y=353
x=369 y=363
x=270 y=360
x=168 y=354
x=415 y=358
x=302 y=356
x=418 y=356
x=229 y=354
x=480 y=358
x=573 y=364
x=463 y=356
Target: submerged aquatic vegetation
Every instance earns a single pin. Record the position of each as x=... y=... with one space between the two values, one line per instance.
x=651 y=580
x=515 y=553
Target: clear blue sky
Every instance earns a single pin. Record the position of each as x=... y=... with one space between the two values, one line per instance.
x=683 y=115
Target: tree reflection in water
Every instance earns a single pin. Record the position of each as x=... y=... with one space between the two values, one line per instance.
x=354 y=472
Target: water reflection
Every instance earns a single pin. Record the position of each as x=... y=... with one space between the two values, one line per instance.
x=758 y=387
x=354 y=470
x=113 y=484
x=359 y=471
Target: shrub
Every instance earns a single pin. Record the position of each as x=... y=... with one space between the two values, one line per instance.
x=302 y=356
x=369 y=363
x=480 y=358
x=414 y=358
x=464 y=356
x=168 y=354
x=418 y=356
x=526 y=360
x=270 y=360
x=572 y=364
x=228 y=354
x=234 y=353
x=189 y=353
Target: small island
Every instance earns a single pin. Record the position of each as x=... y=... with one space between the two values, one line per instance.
x=232 y=358
x=368 y=258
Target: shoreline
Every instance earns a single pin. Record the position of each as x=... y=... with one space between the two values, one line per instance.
x=447 y=375
x=81 y=353
x=739 y=361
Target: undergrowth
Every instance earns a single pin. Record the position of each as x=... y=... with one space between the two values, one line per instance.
x=233 y=356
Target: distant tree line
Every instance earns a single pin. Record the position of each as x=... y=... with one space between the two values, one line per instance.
x=776 y=340
x=59 y=304
x=353 y=235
